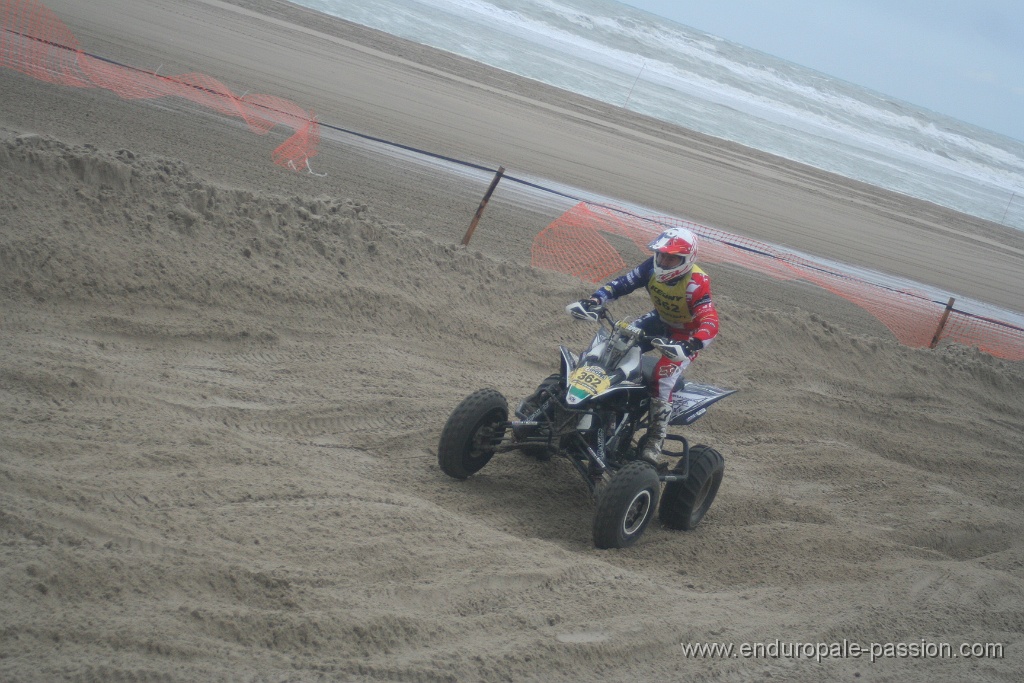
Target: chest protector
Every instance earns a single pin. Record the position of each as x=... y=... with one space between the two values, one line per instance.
x=669 y=299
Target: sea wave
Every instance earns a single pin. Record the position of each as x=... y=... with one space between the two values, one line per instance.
x=628 y=57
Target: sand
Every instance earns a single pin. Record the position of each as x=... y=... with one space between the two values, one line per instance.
x=222 y=385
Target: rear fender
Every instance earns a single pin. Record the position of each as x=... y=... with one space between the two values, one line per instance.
x=692 y=401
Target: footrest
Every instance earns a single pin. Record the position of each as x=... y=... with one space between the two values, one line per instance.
x=676 y=454
x=681 y=471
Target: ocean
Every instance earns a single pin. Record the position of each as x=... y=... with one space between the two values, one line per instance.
x=630 y=58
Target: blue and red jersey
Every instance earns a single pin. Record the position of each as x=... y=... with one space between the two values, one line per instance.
x=684 y=304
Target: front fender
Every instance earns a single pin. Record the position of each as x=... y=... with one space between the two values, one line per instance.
x=569 y=361
x=633 y=393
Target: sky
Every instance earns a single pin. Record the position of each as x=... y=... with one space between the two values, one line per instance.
x=962 y=58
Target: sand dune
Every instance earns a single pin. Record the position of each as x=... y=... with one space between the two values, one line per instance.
x=222 y=386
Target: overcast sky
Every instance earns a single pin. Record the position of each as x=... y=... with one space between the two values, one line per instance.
x=962 y=58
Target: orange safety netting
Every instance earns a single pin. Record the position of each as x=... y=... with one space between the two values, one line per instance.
x=574 y=244
x=991 y=336
x=36 y=43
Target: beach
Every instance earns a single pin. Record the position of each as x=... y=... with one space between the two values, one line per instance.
x=223 y=384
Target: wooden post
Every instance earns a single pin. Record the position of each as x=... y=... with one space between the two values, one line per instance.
x=483 y=203
x=942 y=323
x=1008 y=206
x=630 y=94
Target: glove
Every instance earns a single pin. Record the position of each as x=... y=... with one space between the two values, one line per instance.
x=677 y=350
x=590 y=304
x=692 y=346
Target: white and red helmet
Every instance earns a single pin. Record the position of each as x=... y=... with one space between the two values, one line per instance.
x=678 y=242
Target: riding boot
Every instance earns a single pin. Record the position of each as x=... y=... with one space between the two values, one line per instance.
x=657 y=429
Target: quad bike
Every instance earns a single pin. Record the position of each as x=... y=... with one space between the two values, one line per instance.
x=594 y=412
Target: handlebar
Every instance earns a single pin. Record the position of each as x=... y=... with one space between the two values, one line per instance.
x=585 y=309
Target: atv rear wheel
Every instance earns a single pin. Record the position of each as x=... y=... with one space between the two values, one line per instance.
x=471 y=433
x=626 y=505
x=684 y=503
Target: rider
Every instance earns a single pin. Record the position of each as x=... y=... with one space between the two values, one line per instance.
x=683 y=322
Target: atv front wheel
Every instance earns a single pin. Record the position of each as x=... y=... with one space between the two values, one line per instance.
x=625 y=505
x=471 y=433
x=684 y=503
